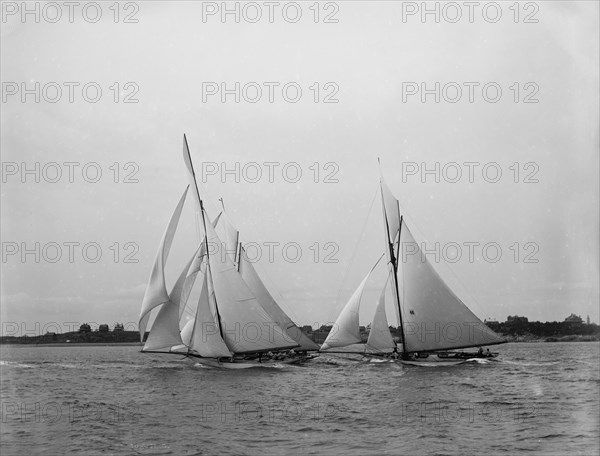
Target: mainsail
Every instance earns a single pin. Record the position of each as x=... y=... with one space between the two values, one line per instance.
x=268 y=303
x=246 y=326
x=156 y=290
x=434 y=317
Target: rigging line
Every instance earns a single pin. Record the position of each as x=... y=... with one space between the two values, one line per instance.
x=446 y=265
x=353 y=257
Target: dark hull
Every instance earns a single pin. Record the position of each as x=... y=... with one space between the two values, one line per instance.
x=251 y=363
x=445 y=358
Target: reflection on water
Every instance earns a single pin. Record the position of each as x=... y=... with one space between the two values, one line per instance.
x=540 y=398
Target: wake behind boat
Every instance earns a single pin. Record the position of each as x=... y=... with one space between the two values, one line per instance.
x=433 y=321
x=235 y=321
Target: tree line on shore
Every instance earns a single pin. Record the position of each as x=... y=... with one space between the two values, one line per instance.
x=515 y=328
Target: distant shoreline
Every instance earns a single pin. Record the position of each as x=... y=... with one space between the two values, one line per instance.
x=587 y=333
x=73 y=344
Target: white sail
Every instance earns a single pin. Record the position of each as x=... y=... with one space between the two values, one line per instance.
x=191 y=175
x=380 y=338
x=186 y=332
x=246 y=326
x=205 y=338
x=165 y=329
x=268 y=303
x=156 y=291
x=434 y=317
x=346 y=329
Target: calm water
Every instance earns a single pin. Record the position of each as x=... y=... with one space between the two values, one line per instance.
x=538 y=399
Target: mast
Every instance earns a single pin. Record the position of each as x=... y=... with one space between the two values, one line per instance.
x=404 y=351
x=239 y=261
x=394 y=261
x=237 y=245
x=208 y=270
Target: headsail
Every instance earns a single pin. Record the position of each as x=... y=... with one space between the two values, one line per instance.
x=156 y=291
x=434 y=317
x=268 y=303
x=186 y=332
x=346 y=329
x=165 y=329
x=380 y=338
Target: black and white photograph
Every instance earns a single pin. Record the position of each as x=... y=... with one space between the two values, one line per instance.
x=303 y=227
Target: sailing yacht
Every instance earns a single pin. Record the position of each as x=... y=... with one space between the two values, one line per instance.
x=236 y=321
x=433 y=321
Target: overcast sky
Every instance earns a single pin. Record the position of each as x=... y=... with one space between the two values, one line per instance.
x=367 y=57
